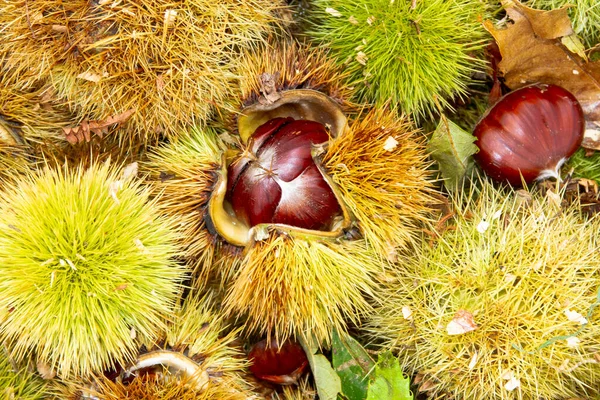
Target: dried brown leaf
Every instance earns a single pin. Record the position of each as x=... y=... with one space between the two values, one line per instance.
x=532 y=52
x=84 y=130
x=462 y=322
x=591 y=139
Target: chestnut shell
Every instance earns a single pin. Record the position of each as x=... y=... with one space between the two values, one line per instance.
x=282 y=364
x=530 y=132
x=277 y=181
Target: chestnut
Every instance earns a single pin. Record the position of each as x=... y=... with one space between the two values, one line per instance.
x=281 y=364
x=529 y=132
x=276 y=180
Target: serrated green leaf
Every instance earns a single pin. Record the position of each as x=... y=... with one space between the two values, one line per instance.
x=328 y=383
x=353 y=365
x=452 y=148
x=389 y=382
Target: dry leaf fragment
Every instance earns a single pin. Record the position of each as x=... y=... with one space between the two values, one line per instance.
x=483 y=226
x=591 y=136
x=390 y=144
x=473 y=361
x=353 y=20
x=512 y=381
x=532 y=52
x=84 y=130
x=45 y=370
x=268 y=88
x=170 y=16
x=462 y=322
x=407 y=313
x=114 y=188
x=333 y=12
x=90 y=76
x=512 y=384
x=574 y=316
x=362 y=58
x=130 y=171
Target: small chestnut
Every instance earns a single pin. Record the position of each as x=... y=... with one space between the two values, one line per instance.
x=529 y=132
x=276 y=180
x=281 y=364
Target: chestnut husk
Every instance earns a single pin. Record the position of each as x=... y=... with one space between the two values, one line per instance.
x=303 y=104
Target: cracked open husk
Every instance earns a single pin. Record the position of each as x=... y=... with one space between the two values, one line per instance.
x=285 y=280
x=500 y=303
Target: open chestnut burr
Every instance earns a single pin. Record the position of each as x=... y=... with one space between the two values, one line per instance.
x=529 y=133
x=276 y=179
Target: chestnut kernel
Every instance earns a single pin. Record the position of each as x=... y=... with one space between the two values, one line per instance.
x=529 y=132
x=276 y=180
x=281 y=364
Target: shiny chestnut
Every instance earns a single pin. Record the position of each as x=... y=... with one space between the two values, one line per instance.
x=282 y=364
x=276 y=180
x=529 y=132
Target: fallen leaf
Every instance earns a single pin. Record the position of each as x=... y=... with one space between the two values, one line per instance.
x=462 y=322
x=353 y=365
x=452 y=148
x=327 y=381
x=389 y=381
x=84 y=130
x=532 y=52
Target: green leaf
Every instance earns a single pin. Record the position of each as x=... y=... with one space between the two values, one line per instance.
x=327 y=381
x=389 y=383
x=353 y=364
x=453 y=149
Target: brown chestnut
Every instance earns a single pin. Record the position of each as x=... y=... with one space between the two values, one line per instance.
x=276 y=180
x=281 y=364
x=529 y=132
